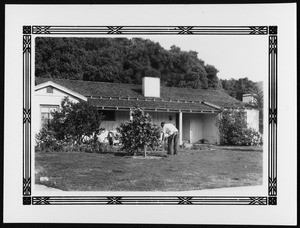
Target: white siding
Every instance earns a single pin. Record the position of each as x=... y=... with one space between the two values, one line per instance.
x=196 y=127
x=159 y=117
x=186 y=122
x=253 y=118
x=41 y=97
x=210 y=130
x=121 y=116
x=199 y=126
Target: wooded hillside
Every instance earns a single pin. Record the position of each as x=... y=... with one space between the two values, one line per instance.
x=125 y=60
x=121 y=60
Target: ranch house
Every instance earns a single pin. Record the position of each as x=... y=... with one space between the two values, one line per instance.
x=193 y=111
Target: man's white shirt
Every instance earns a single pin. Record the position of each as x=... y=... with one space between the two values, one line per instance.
x=169 y=129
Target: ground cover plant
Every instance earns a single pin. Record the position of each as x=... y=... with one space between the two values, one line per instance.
x=217 y=167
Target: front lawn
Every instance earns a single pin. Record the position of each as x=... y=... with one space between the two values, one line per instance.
x=190 y=170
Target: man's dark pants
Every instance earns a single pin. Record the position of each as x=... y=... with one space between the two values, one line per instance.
x=173 y=141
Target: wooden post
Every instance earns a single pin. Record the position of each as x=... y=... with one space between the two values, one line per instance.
x=180 y=128
x=130 y=116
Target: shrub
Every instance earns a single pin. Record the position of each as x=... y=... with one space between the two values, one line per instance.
x=138 y=133
x=93 y=146
x=75 y=121
x=69 y=127
x=234 y=130
x=45 y=140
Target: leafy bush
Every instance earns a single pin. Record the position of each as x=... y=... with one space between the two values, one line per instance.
x=70 y=125
x=75 y=121
x=138 y=133
x=45 y=140
x=234 y=130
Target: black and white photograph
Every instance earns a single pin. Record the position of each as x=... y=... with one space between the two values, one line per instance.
x=126 y=114
x=184 y=113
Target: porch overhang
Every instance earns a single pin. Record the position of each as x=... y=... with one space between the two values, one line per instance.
x=154 y=106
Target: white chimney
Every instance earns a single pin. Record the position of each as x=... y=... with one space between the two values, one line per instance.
x=249 y=98
x=151 y=87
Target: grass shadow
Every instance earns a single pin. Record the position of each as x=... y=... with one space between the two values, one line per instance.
x=121 y=154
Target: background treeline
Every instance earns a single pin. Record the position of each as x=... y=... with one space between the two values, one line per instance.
x=125 y=60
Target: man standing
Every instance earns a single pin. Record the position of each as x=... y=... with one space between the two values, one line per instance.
x=171 y=132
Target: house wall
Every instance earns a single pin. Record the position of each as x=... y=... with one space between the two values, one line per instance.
x=192 y=127
x=253 y=118
x=198 y=126
x=195 y=126
x=41 y=97
x=159 y=117
x=121 y=116
x=186 y=124
x=210 y=130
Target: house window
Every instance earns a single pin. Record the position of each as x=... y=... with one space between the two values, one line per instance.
x=109 y=115
x=49 y=89
x=46 y=114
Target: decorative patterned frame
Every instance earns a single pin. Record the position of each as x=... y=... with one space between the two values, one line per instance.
x=32 y=31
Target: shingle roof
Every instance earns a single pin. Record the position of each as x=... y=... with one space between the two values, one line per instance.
x=171 y=97
x=153 y=105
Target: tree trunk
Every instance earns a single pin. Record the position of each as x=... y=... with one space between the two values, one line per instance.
x=135 y=152
x=145 y=151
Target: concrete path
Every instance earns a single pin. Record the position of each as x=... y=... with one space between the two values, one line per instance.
x=229 y=191
x=39 y=187
x=253 y=190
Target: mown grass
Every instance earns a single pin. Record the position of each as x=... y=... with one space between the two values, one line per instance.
x=189 y=170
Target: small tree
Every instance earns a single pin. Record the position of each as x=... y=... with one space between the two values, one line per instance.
x=139 y=133
x=233 y=129
x=74 y=121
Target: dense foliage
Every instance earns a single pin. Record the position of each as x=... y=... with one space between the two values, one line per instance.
x=75 y=121
x=233 y=129
x=237 y=87
x=73 y=124
x=46 y=141
x=121 y=60
x=139 y=132
x=125 y=60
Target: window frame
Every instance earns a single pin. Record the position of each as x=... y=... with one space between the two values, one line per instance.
x=46 y=123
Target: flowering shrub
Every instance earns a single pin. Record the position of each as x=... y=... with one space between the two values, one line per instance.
x=138 y=133
x=233 y=129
